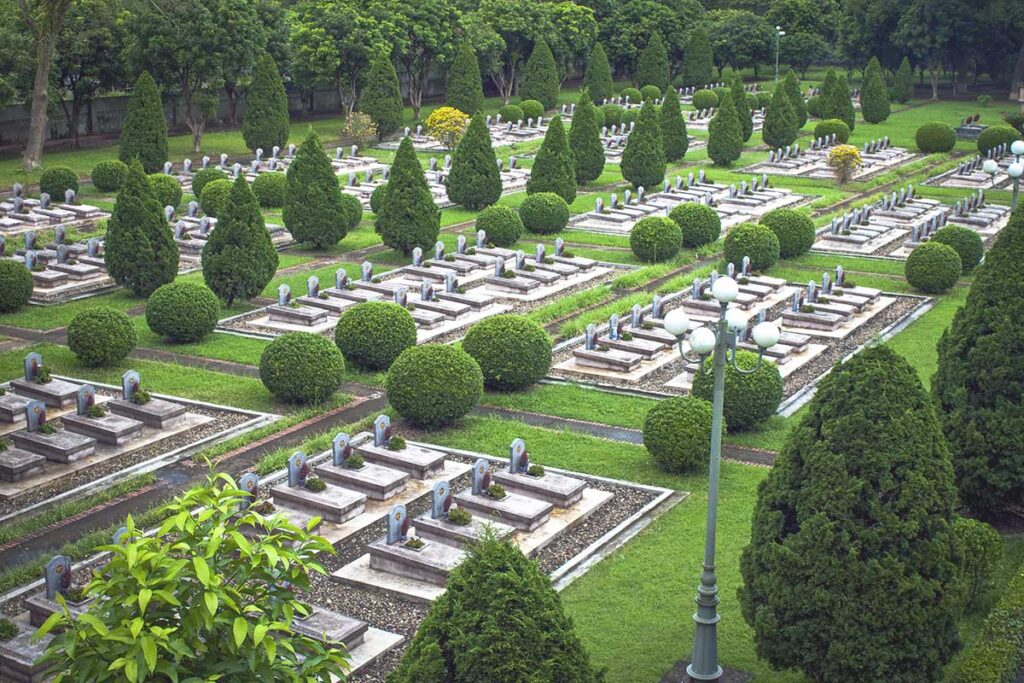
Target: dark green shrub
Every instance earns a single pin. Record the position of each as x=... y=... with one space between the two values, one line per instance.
x=598 y=116
x=314 y=211
x=841 y=105
x=166 y=189
x=634 y=95
x=749 y=399
x=544 y=213
x=813 y=106
x=372 y=334
x=677 y=433
x=353 y=209
x=753 y=240
x=302 y=367
x=513 y=352
x=377 y=197
x=933 y=267
x=182 y=311
x=540 y=76
x=743 y=112
x=704 y=99
x=107 y=176
x=464 y=89
x=511 y=113
x=825 y=129
x=433 y=385
x=674 y=137
x=794 y=229
x=215 y=196
x=699 y=62
x=204 y=176
x=55 y=180
x=903 y=87
x=997 y=654
x=993 y=136
x=981 y=547
x=655 y=239
x=935 y=137
x=722 y=91
x=408 y=217
x=874 y=96
x=474 y=180
x=630 y=116
x=965 y=242
x=15 y=285
x=271 y=189
x=144 y=134
x=532 y=109
x=381 y=98
x=643 y=160
x=764 y=98
x=101 y=336
x=725 y=135
x=265 y=121
x=585 y=141
x=502 y=224
x=699 y=223
x=652 y=65
x=780 y=127
x=650 y=92
x=796 y=98
x=554 y=168
x=612 y=114
x=8 y=629
x=597 y=80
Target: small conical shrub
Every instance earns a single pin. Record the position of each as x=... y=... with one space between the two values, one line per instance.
x=780 y=127
x=474 y=180
x=643 y=160
x=540 y=77
x=585 y=141
x=652 y=64
x=464 y=89
x=699 y=61
x=874 y=97
x=408 y=217
x=265 y=122
x=674 y=137
x=796 y=98
x=903 y=88
x=743 y=113
x=554 y=169
x=313 y=209
x=725 y=137
x=144 y=135
x=598 y=77
x=381 y=99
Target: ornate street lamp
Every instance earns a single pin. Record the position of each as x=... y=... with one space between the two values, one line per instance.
x=1015 y=170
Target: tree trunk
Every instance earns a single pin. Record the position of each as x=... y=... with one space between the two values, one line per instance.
x=934 y=73
x=1017 y=80
x=89 y=126
x=232 y=93
x=76 y=110
x=33 y=155
x=417 y=82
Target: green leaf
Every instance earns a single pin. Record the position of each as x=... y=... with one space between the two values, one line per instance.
x=50 y=622
x=258 y=633
x=241 y=627
x=202 y=570
x=149 y=651
x=210 y=598
x=135 y=628
x=144 y=597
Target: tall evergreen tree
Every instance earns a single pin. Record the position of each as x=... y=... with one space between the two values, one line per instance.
x=239 y=259
x=780 y=127
x=725 y=136
x=540 y=77
x=874 y=96
x=743 y=113
x=474 y=180
x=699 y=61
x=844 y=101
x=852 y=569
x=265 y=122
x=585 y=141
x=313 y=209
x=381 y=98
x=598 y=77
x=643 y=160
x=144 y=134
x=464 y=89
x=652 y=64
x=554 y=168
x=408 y=216
x=674 y=137
x=903 y=88
x=825 y=93
x=796 y=98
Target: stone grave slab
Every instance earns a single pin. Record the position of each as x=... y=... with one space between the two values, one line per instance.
x=18 y=656
x=515 y=284
x=16 y=464
x=114 y=430
x=62 y=447
x=522 y=512
x=420 y=462
x=557 y=489
x=333 y=504
x=302 y=315
x=612 y=359
x=56 y=393
x=818 y=320
x=333 y=305
x=642 y=347
x=847 y=327
x=572 y=367
x=460 y=536
x=357 y=295
x=12 y=408
x=378 y=483
x=41 y=607
x=431 y=564
x=157 y=413
x=330 y=627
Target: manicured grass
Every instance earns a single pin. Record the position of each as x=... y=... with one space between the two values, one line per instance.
x=59 y=315
x=562 y=307
x=217 y=345
x=917 y=343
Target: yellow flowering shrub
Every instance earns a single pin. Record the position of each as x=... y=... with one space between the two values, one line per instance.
x=446 y=125
x=358 y=128
x=844 y=160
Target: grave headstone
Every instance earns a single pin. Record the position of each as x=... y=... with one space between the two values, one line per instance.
x=57 y=577
x=481 y=478
x=340 y=279
x=366 y=271
x=440 y=500
x=284 y=295
x=130 y=383
x=518 y=457
x=341 y=448
x=298 y=470
x=249 y=484
x=381 y=430
x=35 y=415
x=398 y=525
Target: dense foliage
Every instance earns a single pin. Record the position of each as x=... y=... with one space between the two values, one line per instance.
x=700 y=224
x=55 y=180
x=652 y=64
x=540 y=76
x=101 y=336
x=314 y=212
x=464 y=88
x=265 y=122
x=967 y=244
x=182 y=311
x=655 y=239
x=643 y=160
x=874 y=96
x=474 y=180
x=15 y=285
x=372 y=334
x=794 y=229
x=502 y=224
x=271 y=190
x=433 y=385
x=699 y=62
x=204 y=176
x=935 y=137
x=513 y=351
x=993 y=136
x=903 y=84
x=597 y=79
x=677 y=433
x=704 y=99
x=997 y=654
x=725 y=135
x=791 y=85
x=933 y=267
x=144 y=134
x=585 y=141
x=674 y=138
x=825 y=129
x=750 y=399
x=554 y=168
x=166 y=189
x=408 y=217
x=544 y=213
x=753 y=240
x=302 y=367
x=381 y=99
x=214 y=196
x=780 y=121
x=108 y=175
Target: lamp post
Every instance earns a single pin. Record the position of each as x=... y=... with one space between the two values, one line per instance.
x=719 y=340
x=778 y=34
x=1015 y=170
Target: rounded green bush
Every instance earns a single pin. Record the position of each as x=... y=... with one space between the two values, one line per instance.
x=753 y=240
x=433 y=385
x=599 y=117
x=764 y=99
x=705 y=99
x=271 y=189
x=753 y=103
x=993 y=136
x=101 y=336
x=824 y=129
x=612 y=114
x=372 y=334
x=353 y=209
x=511 y=113
x=182 y=311
x=532 y=109
x=15 y=285
x=107 y=176
x=502 y=224
x=215 y=197
x=513 y=352
x=749 y=399
x=302 y=367
x=544 y=213
x=933 y=267
x=677 y=433
x=965 y=242
x=203 y=177
x=377 y=198
x=650 y=92
x=935 y=137
x=634 y=95
x=630 y=116
x=166 y=189
x=56 y=181
x=722 y=92
x=699 y=223
x=655 y=239
x=795 y=231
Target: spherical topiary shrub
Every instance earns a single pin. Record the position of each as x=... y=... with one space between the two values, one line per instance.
x=749 y=399
x=935 y=137
x=513 y=352
x=933 y=267
x=826 y=128
x=215 y=196
x=353 y=209
x=434 y=384
x=166 y=189
x=650 y=92
x=270 y=189
x=511 y=113
x=634 y=95
x=101 y=336
x=677 y=433
x=377 y=198
x=967 y=244
x=15 y=285
x=599 y=117
x=205 y=176
x=182 y=311
x=704 y=99
x=56 y=180
x=373 y=334
x=544 y=213
x=532 y=109
x=795 y=231
x=502 y=224
x=612 y=114
x=753 y=240
x=107 y=176
x=655 y=239
x=301 y=367
x=993 y=136
x=722 y=92
x=700 y=224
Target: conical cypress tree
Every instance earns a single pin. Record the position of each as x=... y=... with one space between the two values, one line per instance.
x=239 y=259
x=408 y=217
x=381 y=99
x=725 y=137
x=474 y=180
x=144 y=135
x=265 y=122
x=980 y=380
x=674 y=137
x=842 y=102
x=825 y=96
x=699 y=62
x=743 y=113
x=851 y=547
x=903 y=89
x=554 y=168
x=874 y=97
x=313 y=209
x=652 y=65
x=598 y=77
x=643 y=160
x=779 y=121
x=796 y=98
x=540 y=77
x=585 y=141
x=464 y=89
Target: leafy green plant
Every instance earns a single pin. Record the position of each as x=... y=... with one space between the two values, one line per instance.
x=554 y=169
x=140 y=397
x=655 y=238
x=496 y=491
x=7 y=629
x=183 y=311
x=935 y=137
x=415 y=543
x=544 y=213
x=535 y=471
x=677 y=433
x=96 y=411
x=144 y=134
x=48 y=429
x=15 y=285
x=433 y=385
x=43 y=376
x=459 y=517
x=355 y=462
x=101 y=336
x=749 y=399
x=396 y=443
x=933 y=267
x=643 y=159
x=474 y=180
x=315 y=484
x=513 y=352
x=314 y=210
x=265 y=121
x=302 y=367
x=372 y=334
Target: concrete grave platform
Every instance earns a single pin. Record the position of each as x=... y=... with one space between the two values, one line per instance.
x=645 y=368
x=460 y=536
x=333 y=504
x=557 y=489
x=16 y=464
x=57 y=393
x=330 y=627
x=846 y=328
x=12 y=408
x=62 y=447
x=377 y=482
x=18 y=656
x=430 y=564
x=110 y=429
x=157 y=413
x=793 y=362
x=418 y=461
x=525 y=513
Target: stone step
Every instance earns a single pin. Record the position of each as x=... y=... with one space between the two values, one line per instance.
x=475 y=301
x=655 y=334
x=357 y=295
x=378 y=483
x=432 y=563
x=557 y=489
x=458 y=265
x=113 y=430
x=419 y=462
x=522 y=512
x=56 y=393
x=333 y=504
x=157 y=413
x=545 y=276
x=63 y=447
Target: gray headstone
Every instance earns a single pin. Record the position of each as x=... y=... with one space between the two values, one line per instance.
x=298 y=471
x=85 y=398
x=366 y=271
x=340 y=278
x=57 y=576
x=35 y=415
x=33 y=362
x=518 y=457
x=341 y=448
x=381 y=430
x=312 y=286
x=440 y=499
x=130 y=383
x=284 y=295
x=398 y=524
x=249 y=483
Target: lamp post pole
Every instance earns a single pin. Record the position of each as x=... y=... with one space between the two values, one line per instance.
x=778 y=34
x=1014 y=170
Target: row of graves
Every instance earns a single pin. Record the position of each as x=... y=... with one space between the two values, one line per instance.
x=19 y=214
x=62 y=269
x=970 y=128
x=701 y=119
x=877 y=156
x=815 y=91
x=614 y=139
x=445 y=294
x=900 y=221
x=686 y=93
x=192 y=230
x=503 y=132
x=734 y=204
x=971 y=174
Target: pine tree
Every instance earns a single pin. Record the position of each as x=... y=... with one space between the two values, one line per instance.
x=903 y=89
x=144 y=135
x=725 y=137
x=474 y=180
x=381 y=99
x=265 y=121
x=796 y=98
x=674 y=137
x=825 y=93
x=464 y=89
x=743 y=113
x=554 y=168
x=874 y=96
x=313 y=209
x=585 y=141
x=643 y=160
x=699 y=61
x=239 y=259
x=139 y=251
x=598 y=77
x=408 y=217
x=540 y=77
x=780 y=127
x=652 y=65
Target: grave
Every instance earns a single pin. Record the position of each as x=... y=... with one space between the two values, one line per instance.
x=375 y=481
x=523 y=512
x=139 y=405
x=36 y=384
x=413 y=558
x=55 y=444
x=418 y=461
x=332 y=504
x=877 y=156
x=94 y=421
x=557 y=489
x=438 y=526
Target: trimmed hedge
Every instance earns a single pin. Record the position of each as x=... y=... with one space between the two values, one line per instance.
x=612 y=114
x=634 y=95
x=749 y=399
x=166 y=189
x=544 y=213
x=182 y=311
x=794 y=229
x=935 y=137
x=301 y=367
x=532 y=109
x=704 y=99
x=271 y=189
x=753 y=240
x=511 y=113
x=15 y=285
x=107 y=176
x=700 y=224
x=982 y=549
x=993 y=136
x=474 y=180
x=433 y=385
x=655 y=239
x=513 y=351
x=373 y=334
x=677 y=433
x=965 y=242
x=933 y=267
x=650 y=92
x=828 y=126
x=101 y=336
x=205 y=176
x=215 y=197
x=998 y=653
x=502 y=224
x=56 y=180
x=377 y=197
